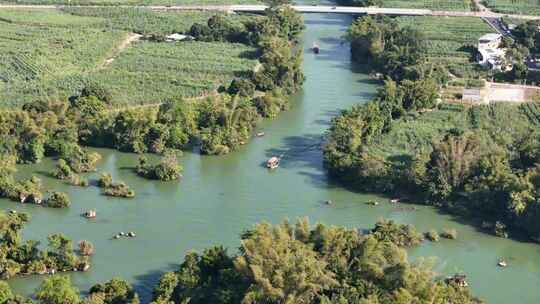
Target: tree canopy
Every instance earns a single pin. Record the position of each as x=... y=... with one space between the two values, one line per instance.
x=295 y=263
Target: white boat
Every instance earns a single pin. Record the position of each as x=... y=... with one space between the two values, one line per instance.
x=273 y=162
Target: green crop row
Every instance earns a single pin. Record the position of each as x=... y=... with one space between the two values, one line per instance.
x=47 y=53
x=132 y=2
x=150 y=72
x=527 y=7
x=449 y=41
x=446 y=5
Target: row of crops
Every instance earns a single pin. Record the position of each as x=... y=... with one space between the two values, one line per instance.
x=449 y=40
x=133 y=2
x=150 y=72
x=532 y=111
x=50 y=52
x=144 y=21
x=527 y=7
x=444 y=5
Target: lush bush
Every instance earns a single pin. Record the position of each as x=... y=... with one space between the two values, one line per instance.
x=401 y=235
x=369 y=36
x=63 y=171
x=449 y=234
x=58 y=200
x=25 y=257
x=167 y=169
x=111 y=188
x=86 y=248
x=115 y=291
x=432 y=235
x=330 y=264
x=57 y=290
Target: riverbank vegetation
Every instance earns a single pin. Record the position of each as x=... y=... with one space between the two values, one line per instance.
x=475 y=161
x=220 y=122
x=110 y=188
x=60 y=290
x=25 y=257
x=166 y=170
x=295 y=263
x=58 y=200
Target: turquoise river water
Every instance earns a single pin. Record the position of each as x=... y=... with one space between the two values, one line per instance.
x=219 y=197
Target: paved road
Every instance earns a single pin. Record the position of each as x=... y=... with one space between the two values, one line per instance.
x=311 y=9
x=498 y=25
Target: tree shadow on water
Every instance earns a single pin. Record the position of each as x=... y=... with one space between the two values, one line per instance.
x=144 y=284
x=304 y=152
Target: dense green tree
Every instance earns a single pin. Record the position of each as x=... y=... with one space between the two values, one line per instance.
x=387 y=47
x=299 y=264
x=115 y=291
x=58 y=200
x=166 y=170
x=57 y=290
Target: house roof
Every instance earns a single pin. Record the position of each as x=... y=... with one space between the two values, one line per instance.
x=177 y=36
x=490 y=37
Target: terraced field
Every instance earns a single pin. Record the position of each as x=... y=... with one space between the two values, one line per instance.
x=449 y=40
x=529 y=7
x=46 y=54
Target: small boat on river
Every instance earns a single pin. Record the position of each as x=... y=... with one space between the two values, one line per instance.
x=316 y=49
x=90 y=214
x=260 y=134
x=273 y=162
x=502 y=263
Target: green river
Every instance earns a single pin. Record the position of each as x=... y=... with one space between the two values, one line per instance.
x=219 y=197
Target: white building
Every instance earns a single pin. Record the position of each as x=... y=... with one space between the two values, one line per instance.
x=177 y=37
x=490 y=54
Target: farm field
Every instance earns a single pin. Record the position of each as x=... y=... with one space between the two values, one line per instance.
x=528 y=7
x=443 y=5
x=53 y=53
x=449 y=41
x=145 y=21
x=132 y=2
x=47 y=51
x=149 y=72
x=416 y=133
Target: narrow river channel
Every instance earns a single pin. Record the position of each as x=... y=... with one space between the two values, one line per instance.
x=219 y=197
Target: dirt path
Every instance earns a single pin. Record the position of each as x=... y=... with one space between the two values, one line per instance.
x=132 y=37
x=506 y=92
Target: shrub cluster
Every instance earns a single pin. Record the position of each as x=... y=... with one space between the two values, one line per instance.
x=25 y=257
x=166 y=170
x=111 y=188
x=332 y=264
